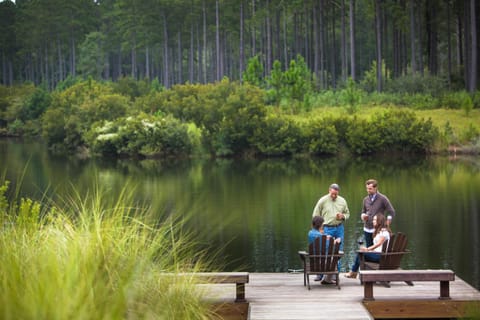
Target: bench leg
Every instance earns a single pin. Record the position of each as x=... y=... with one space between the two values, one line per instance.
x=444 y=290
x=240 y=290
x=368 y=291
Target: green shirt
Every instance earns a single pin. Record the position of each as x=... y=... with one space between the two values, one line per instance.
x=328 y=209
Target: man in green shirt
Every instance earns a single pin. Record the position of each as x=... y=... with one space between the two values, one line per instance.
x=334 y=210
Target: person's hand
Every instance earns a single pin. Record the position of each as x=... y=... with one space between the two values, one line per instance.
x=389 y=220
x=338 y=240
x=364 y=216
x=364 y=249
x=340 y=216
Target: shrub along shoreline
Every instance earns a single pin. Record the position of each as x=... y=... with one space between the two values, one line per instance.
x=225 y=119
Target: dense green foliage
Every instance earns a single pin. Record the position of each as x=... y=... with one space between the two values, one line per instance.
x=221 y=119
x=281 y=115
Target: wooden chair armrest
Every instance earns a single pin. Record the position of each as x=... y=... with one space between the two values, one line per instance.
x=303 y=256
x=361 y=253
x=394 y=253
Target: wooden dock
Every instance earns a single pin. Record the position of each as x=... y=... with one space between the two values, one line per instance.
x=282 y=296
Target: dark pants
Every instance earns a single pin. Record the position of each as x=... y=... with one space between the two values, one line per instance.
x=369 y=256
x=368 y=238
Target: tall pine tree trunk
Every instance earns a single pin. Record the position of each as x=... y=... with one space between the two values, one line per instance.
x=190 y=56
x=378 y=33
x=432 y=36
x=241 y=58
x=217 y=41
x=166 y=62
x=473 y=34
x=254 y=38
x=179 y=58
x=352 y=40
x=285 y=46
x=343 y=47
x=204 y=51
x=268 y=24
x=333 y=52
x=73 y=57
x=449 y=45
x=147 y=62
x=322 y=44
x=316 y=46
x=413 y=53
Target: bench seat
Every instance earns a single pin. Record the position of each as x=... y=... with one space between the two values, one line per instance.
x=369 y=277
x=239 y=278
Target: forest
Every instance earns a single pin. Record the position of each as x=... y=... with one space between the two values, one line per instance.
x=160 y=78
x=203 y=41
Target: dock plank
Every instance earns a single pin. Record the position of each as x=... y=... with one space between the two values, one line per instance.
x=281 y=296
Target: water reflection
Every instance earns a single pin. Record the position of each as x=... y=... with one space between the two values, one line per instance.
x=257 y=213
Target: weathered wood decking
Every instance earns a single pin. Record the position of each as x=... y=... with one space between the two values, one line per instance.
x=282 y=296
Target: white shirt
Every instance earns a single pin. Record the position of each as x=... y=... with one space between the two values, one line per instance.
x=383 y=233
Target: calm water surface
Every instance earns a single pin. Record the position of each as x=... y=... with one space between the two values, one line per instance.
x=257 y=213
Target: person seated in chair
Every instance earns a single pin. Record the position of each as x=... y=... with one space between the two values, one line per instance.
x=380 y=235
x=317 y=232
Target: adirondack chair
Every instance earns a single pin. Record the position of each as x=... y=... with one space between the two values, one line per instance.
x=391 y=256
x=321 y=259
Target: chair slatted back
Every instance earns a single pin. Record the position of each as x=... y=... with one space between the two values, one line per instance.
x=393 y=252
x=321 y=257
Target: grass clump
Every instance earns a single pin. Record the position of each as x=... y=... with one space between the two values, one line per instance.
x=83 y=258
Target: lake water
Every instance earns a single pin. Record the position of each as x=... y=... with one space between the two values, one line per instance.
x=256 y=213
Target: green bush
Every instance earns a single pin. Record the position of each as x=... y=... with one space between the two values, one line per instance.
x=129 y=87
x=417 y=84
x=369 y=81
x=351 y=96
x=35 y=105
x=470 y=134
x=362 y=137
x=74 y=111
x=12 y=101
x=146 y=136
x=53 y=128
x=321 y=136
x=401 y=130
x=16 y=128
x=476 y=100
x=227 y=112
x=418 y=101
x=277 y=136
x=254 y=72
x=456 y=100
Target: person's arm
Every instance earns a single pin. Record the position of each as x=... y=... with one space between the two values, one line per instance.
x=364 y=215
x=389 y=210
x=317 y=210
x=346 y=212
x=378 y=244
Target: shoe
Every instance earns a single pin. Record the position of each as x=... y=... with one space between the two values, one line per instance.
x=324 y=281
x=318 y=278
x=351 y=275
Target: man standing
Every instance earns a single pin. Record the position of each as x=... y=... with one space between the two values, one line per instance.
x=334 y=210
x=374 y=203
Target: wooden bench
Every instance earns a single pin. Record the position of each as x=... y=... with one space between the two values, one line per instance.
x=369 y=277
x=239 y=278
